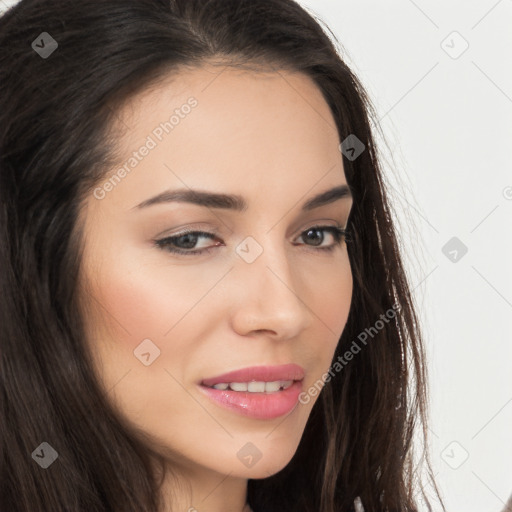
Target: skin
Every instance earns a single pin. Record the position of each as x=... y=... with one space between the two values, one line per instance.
x=270 y=137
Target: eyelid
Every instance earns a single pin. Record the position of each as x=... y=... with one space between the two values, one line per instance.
x=338 y=232
x=207 y=231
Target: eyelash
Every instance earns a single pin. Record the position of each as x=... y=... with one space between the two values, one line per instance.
x=165 y=243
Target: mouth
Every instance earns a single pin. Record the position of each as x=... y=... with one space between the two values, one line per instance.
x=262 y=392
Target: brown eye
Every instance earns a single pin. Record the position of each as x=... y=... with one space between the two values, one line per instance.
x=337 y=233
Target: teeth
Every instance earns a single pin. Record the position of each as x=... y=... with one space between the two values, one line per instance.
x=238 y=386
x=221 y=385
x=255 y=386
x=271 y=387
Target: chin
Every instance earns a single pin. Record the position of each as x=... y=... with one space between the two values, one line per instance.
x=269 y=469
x=264 y=467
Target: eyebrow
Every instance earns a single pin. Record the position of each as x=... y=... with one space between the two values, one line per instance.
x=237 y=203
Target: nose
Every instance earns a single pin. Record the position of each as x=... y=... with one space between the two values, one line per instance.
x=269 y=297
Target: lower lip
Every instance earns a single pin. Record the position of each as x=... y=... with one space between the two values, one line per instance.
x=263 y=406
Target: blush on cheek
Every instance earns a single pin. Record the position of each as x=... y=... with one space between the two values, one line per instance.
x=334 y=298
x=148 y=303
x=133 y=312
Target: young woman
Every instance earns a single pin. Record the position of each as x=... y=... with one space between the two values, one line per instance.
x=203 y=302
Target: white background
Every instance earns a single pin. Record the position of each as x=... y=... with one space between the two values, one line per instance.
x=447 y=122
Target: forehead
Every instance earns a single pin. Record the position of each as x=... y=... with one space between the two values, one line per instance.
x=218 y=125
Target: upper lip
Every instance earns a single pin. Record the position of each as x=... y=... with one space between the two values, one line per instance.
x=258 y=374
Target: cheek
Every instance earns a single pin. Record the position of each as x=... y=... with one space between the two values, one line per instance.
x=330 y=305
x=329 y=295
x=150 y=300
x=137 y=303
x=335 y=298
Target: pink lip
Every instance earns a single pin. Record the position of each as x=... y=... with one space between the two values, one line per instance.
x=258 y=374
x=257 y=405
x=263 y=406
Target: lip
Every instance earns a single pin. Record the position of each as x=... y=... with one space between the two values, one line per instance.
x=258 y=374
x=264 y=406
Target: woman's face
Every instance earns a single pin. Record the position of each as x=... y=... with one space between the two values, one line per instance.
x=265 y=294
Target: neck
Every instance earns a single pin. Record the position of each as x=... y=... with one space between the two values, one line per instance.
x=204 y=490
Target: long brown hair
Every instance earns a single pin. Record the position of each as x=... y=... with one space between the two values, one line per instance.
x=55 y=114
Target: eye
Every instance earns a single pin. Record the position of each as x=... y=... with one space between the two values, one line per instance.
x=312 y=234
x=188 y=239
x=184 y=243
